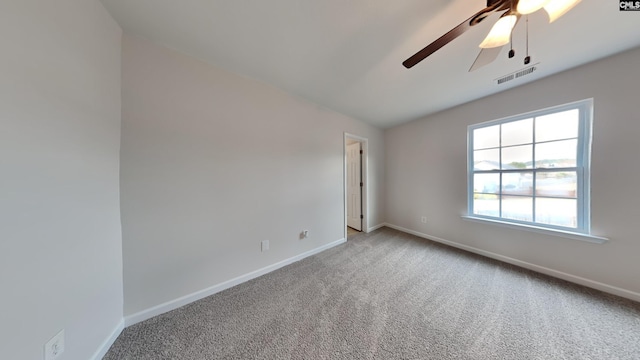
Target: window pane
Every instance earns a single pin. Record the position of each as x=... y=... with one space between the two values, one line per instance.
x=488 y=205
x=486 y=183
x=560 y=184
x=517 y=157
x=517 y=132
x=562 y=125
x=556 y=154
x=486 y=159
x=486 y=137
x=520 y=183
x=517 y=208
x=561 y=212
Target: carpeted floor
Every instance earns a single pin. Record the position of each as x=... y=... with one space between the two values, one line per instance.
x=390 y=295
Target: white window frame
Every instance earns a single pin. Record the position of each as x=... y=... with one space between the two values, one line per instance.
x=583 y=161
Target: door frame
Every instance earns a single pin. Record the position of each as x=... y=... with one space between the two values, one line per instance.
x=364 y=164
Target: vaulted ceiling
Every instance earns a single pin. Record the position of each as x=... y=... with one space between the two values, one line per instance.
x=347 y=55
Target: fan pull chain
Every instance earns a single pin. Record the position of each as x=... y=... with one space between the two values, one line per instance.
x=527 y=58
x=512 y=53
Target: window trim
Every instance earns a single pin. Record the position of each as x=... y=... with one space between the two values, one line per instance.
x=583 y=158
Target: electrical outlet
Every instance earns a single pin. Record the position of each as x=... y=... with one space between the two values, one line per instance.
x=54 y=347
x=265 y=245
x=424 y=219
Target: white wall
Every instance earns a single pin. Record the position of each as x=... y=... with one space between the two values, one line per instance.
x=426 y=174
x=213 y=163
x=60 y=234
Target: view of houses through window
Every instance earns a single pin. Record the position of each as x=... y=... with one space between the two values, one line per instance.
x=533 y=168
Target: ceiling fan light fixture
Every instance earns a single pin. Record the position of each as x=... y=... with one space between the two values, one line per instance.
x=500 y=33
x=557 y=8
x=530 y=6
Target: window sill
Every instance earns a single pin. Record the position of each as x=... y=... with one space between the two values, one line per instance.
x=540 y=230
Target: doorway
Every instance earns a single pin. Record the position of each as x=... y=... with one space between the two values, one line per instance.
x=355 y=184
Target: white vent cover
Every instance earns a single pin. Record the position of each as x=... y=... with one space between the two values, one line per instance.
x=518 y=74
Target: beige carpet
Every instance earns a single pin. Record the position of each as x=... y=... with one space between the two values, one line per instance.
x=389 y=295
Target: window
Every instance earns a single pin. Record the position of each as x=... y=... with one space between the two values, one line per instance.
x=533 y=169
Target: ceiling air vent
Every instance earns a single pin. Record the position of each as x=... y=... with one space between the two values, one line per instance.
x=517 y=74
x=504 y=79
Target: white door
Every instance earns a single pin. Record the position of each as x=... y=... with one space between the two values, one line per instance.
x=354 y=190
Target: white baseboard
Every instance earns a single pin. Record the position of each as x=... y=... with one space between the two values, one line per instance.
x=632 y=295
x=106 y=344
x=374 y=228
x=187 y=299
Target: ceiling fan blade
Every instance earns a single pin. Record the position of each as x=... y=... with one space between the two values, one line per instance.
x=455 y=32
x=486 y=57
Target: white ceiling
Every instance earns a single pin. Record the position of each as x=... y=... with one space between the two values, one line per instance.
x=347 y=54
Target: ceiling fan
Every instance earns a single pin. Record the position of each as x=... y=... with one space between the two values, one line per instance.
x=500 y=33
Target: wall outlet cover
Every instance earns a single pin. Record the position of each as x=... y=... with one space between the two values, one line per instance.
x=54 y=347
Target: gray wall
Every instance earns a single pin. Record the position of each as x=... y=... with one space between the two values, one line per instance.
x=213 y=163
x=60 y=234
x=426 y=174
